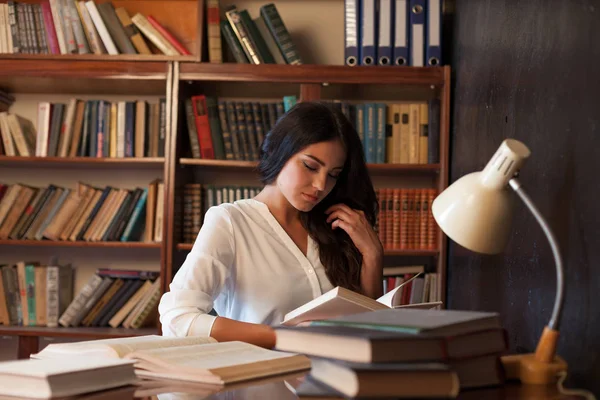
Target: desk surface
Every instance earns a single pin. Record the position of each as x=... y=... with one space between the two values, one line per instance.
x=282 y=388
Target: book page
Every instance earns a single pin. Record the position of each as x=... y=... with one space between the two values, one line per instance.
x=202 y=358
x=116 y=348
x=390 y=299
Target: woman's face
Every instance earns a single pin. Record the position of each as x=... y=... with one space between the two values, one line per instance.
x=309 y=175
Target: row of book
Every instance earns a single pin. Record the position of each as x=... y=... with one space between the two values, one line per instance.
x=32 y=294
x=396 y=133
x=198 y=198
x=84 y=213
x=405 y=220
x=390 y=32
x=92 y=128
x=115 y=298
x=81 y=27
x=231 y=130
x=421 y=289
x=261 y=40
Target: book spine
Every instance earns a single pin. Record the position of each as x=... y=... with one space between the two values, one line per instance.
x=168 y=36
x=215 y=52
x=14 y=28
x=233 y=16
x=51 y=37
x=80 y=39
x=280 y=34
x=153 y=35
x=107 y=40
x=236 y=145
x=234 y=45
x=225 y=131
x=115 y=29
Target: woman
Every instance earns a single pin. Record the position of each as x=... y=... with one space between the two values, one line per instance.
x=310 y=229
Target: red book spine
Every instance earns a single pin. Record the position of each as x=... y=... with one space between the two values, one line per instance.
x=381 y=196
x=50 y=29
x=207 y=151
x=167 y=35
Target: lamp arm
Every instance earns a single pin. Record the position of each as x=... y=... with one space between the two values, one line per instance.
x=515 y=184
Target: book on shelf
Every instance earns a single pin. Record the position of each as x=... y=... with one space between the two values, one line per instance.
x=82 y=27
x=90 y=128
x=85 y=213
x=195 y=359
x=397 y=133
x=341 y=301
x=44 y=379
x=32 y=294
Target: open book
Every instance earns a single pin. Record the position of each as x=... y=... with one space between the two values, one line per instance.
x=340 y=301
x=195 y=359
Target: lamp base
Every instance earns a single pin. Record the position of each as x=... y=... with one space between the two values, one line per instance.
x=527 y=369
x=539 y=368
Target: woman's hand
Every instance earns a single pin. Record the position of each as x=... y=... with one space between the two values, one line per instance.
x=358 y=228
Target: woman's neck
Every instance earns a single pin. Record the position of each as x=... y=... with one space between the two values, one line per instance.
x=278 y=205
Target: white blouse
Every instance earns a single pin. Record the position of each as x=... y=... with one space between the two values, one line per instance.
x=245 y=266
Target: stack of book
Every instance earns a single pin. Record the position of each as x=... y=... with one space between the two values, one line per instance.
x=81 y=27
x=84 y=213
x=197 y=363
x=364 y=348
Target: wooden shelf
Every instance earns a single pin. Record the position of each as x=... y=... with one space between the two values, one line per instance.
x=60 y=243
x=78 y=162
x=251 y=165
x=389 y=252
x=231 y=72
x=36 y=74
x=83 y=333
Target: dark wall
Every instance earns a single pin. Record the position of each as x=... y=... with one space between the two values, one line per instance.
x=530 y=70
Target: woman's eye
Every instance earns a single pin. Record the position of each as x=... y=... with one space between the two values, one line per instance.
x=308 y=166
x=334 y=176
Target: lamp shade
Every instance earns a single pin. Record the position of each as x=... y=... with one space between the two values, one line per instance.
x=476 y=211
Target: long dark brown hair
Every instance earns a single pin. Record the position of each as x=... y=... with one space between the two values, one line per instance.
x=313 y=122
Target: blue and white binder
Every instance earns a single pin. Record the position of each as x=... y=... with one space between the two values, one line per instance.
x=400 y=53
x=433 y=50
x=352 y=32
x=417 y=33
x=385 y=40
x=368 y=31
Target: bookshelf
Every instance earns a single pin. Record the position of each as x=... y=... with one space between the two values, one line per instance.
x=307 y=82
x=30 y=76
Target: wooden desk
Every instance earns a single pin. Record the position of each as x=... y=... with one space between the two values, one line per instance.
x=278 y=388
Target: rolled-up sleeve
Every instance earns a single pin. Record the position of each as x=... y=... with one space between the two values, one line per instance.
x=184 y=308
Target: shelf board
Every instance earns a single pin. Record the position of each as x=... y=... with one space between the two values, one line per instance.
x=91 y=333
x=220 y=164
x=251 y=165
x=389 y=252
x=232 y=72
x=87 y=162
x=38 y=74
x=139 y=58
x=60 y=243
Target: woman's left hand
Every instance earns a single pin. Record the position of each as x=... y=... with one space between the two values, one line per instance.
x=358 y=228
